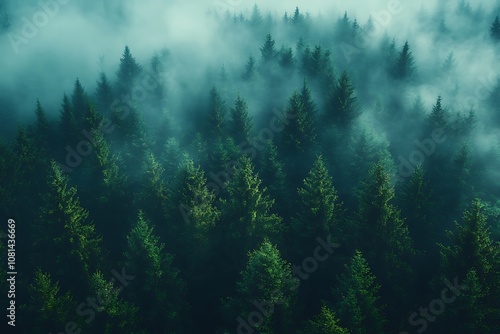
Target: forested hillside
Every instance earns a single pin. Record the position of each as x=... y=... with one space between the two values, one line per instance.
x=326 y=175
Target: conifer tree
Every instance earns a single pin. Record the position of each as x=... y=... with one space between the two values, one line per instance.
x=113 y=313
x=64 y=230
x=128 y=72
x=325 y=322
x=287 y=60
x=216 y=116
x=342 y=104
x=104 y=94
x=80 y=103
x=384 y=236
x=358 y=304
x=268 y=279
x=249 y=69
x=300 y=133
x=495 y=29
x=42 y=126
x=268 y=51
x=68 y=123
x=157 y=288
x=256 y=17
x=240 y=124
x=405 y=64
x=48 y=308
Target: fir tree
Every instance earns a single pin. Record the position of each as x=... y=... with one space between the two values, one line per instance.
x=249 y=69
x=325 y=322
x=240 y=125
x=157 y=288
x=405 y=64
x=104 y=94
x=268 y=51
x=128 y=72
x=342 y=104
x=358 y=303
x=495 y=29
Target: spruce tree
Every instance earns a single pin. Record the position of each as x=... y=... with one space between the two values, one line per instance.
x=268 y=51
x=326 y=322
x=65 y=231
x=358 y=301
x=128 y=72
x=495 y=29
x=240 y=125
x=157 y=287
x=249 y=69
x=104 y=94
x=404 y=68
x=342 y=104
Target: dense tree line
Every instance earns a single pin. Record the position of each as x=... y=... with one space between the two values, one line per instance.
x=315 y=212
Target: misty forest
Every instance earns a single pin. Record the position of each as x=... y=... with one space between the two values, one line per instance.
x=239 y=167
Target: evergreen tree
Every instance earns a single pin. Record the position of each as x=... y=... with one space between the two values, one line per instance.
x=65 y=231
x=104 y=94
x=268 y=279
x=325 y=322
x=297 y=17
x=495 y=29
x=268 y=51
x=256 y=17
x=48 y=309
x=439 y=117
x=300 y=133
x=247 y=210
x=157 y=288
x=68 y=122
x=287 y=60
x=113 y=313
x=128 y=72
x=472 y=248
x=240 y=125
x=358 y=303
x=319 y=210
x=249 y=69
x=80 y=103
x=404 y=67
x=342 y=104
x=384 y=235
x=216 y=116
x=43 y=129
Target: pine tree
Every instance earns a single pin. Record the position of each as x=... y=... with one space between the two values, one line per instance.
x=272 y=172
x=325 y=322
x=439 y=117
x=300 y=133
x=68 y=122
x=287 y=60
x=43 y=129
x=297 y=17
x=384 y=235
x=128 y=72
x=342 y=104
x=472 y=248
x=113 y=313
x=249 y=69
x=48 y=308
x=319 y=209
x=495 y=29
x=80 y=103
x=157 y=288
x=267 y=279
x=268 y=51
x=404 y=67
x=216 y=116
x=358 y=303
x=64 y=230
x=240 y=125
x=104 y=94
x=256 y=17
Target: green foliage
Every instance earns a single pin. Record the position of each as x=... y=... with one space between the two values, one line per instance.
x=240 y=125
x=358 y=304
x=325 y=322
x=342 y=104
x=268 y=51
x=64 y=230
x=299 y=134
x=128 y=72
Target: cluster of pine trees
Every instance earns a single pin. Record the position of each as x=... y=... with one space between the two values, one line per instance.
x=287 y=215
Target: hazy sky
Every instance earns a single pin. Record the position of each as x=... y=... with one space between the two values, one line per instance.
x=83 y=38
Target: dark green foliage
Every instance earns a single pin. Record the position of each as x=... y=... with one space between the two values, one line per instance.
x=157 y=288
x=268 y=51
x=240 y=125
x=342 y=105
x=358 y=301
x=325 y=322
x=249 y=69
x=300 y=133
x=404 y=67
x=495 y=29
x=127 y=73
